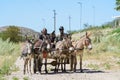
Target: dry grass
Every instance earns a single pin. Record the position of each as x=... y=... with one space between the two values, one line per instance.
x=103 y=61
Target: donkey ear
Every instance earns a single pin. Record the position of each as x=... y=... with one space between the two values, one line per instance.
x=53 y=32
x=88 y=34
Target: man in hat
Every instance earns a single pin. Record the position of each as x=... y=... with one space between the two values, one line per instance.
x=62 y=34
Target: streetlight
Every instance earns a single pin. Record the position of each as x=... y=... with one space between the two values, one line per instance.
x=70 y=23
x=80 y=13
x=54 y=20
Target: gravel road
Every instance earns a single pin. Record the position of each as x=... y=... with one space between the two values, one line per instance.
x=88 y=74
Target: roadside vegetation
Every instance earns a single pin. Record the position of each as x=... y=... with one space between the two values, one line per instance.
x=9 y=52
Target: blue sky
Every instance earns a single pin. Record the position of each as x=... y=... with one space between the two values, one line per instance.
x=37 y=14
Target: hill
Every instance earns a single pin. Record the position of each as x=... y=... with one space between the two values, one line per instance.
x=24 y=31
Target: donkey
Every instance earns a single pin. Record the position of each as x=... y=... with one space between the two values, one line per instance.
x=27 y=55
x=64 y=49
x=41 y=48
x=79 y=46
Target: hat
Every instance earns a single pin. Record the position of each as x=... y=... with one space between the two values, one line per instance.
x=61 y=28
x=44 y=29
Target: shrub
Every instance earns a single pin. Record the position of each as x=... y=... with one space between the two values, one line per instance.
x=13 y=33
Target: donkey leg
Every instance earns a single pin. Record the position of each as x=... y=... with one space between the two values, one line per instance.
x=81 y=55
x=75 y=62
x=46 y=65
x=24 y=68
x=30 y=66
x=71 y=62
x=65 y=61
x=61 y=63
x=25 y=64
x=40 y=59
x=58 y=64
x=34 y=64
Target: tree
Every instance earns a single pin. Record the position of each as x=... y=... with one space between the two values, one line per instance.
x=13 y=33
x=117 y=5
x=86 y=25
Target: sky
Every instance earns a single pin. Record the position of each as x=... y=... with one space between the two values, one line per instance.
x=37 y=14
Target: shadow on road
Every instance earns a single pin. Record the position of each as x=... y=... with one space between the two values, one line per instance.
x=89 y=71
x=70 y=72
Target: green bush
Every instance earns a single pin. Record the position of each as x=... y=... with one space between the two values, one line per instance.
x=12 y=32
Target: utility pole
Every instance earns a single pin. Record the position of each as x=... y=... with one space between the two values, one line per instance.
x=70 y=23
x=80 y=13
x=54 y=20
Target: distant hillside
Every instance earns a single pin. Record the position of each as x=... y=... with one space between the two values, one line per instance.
x=24 y=31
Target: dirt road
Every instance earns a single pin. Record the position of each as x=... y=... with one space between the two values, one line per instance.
x=87 y=75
